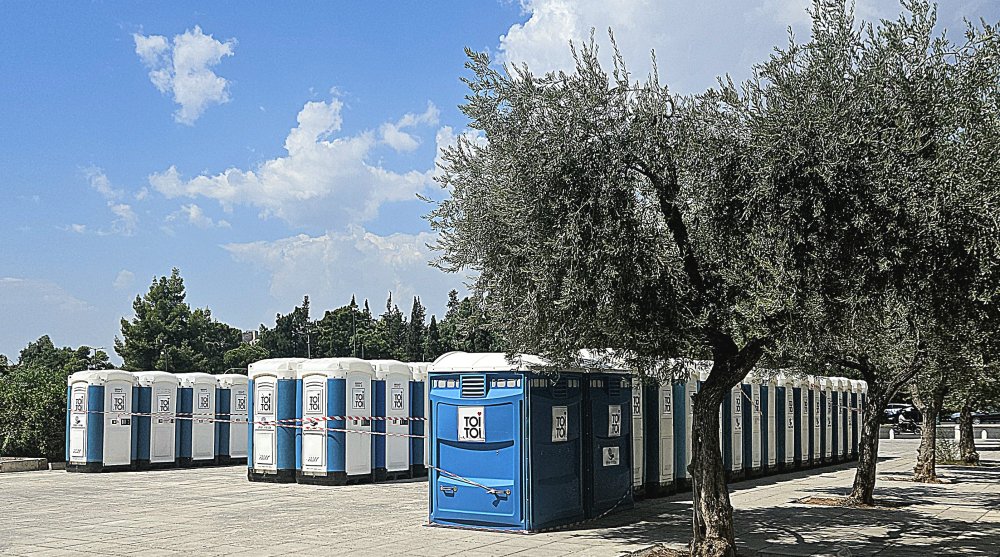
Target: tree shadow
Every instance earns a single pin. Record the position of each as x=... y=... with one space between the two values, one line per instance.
x=925 y=519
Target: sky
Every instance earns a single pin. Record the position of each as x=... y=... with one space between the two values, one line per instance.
x=271 y=151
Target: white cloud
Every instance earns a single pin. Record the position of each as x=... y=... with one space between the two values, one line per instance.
x=323 y=179
x=181 y=67
x=126 y=222
x=401 y=141
x=332 y=267
x=694 y=42
x=194 y=214
x=123 y=280
x=20 y=291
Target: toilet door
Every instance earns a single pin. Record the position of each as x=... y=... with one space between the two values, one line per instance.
x=313 y=429
x=359 y=447
x=78 y=424
x=238 y=427
x=397 y=447
x=264 y=430
x=162 y=427
x=117 y=423
x=203 y=425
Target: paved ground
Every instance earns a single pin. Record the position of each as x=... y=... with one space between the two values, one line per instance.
x=217 y=512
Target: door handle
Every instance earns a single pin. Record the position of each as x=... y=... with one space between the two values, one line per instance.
x=449 y=490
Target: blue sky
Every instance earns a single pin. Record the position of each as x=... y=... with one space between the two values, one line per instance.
x=271 y=151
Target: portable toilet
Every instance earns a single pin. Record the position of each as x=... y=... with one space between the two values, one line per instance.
x=333 y=446
x=785 y=419
x=155 y=415
x=195 y=441
x=844 y=394
x=800 y=398
x=418 y=419
x=99 y=424
x=607 y=447
x=684 y=390
x=273 y=416
x=732 y=433
x=659 y=452
x=852 y=404
x=862 y=408
x=506 y=445
x=391 y=438
x=231 y=430
x=772 y=426
x=638 y=436
x=831 y=420
x=753 y=425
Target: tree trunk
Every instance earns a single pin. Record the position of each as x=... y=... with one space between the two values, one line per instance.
x=714 y=535
x=864 y=479
x=926 y=468
x=966 y=438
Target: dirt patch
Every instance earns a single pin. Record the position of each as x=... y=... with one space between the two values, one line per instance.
x=938 y=480
x=880 y=504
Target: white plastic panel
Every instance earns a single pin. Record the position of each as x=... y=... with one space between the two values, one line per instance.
x=78 y=424
x=666 y=413
x=637 y=434
x=397 y=404
x=118 y=423
x=264 y=434
x=359 y=447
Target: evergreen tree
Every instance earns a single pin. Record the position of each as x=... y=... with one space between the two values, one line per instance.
x=416 y=332
x=292 y=334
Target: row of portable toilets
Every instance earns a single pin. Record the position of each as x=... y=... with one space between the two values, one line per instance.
x=513 y=449
x=120 y=420
x=508 y=446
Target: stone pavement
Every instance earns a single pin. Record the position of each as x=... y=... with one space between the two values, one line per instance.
x=216 y=511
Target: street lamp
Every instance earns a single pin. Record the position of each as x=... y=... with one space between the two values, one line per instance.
x=90 y=363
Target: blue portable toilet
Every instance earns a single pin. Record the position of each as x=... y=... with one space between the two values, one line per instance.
x=753 y=425
x=607 y=447
x=231 y=397
x=333 y=446
x=156 y=409
x=391 y=438
x=418 y=419
x=684 y=387
x=273 y=419
x=100 y=434
x=785 y=440
x=506 y=445
x=195 y=442
x=800 y=426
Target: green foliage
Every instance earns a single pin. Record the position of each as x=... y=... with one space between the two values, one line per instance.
x=290 y=337
x=166 y=334
x=243 y=355
x=33 y=397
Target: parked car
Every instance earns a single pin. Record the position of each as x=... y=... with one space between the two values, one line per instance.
x=895 y=409
x=981 y=417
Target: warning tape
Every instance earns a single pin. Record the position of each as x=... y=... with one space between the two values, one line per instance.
x=272 y=423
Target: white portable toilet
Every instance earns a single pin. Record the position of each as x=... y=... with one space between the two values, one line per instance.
x=844 y=390
x=685 y=387
x=196 y=412
x=828 y=394
x=99 y=424
x=274 y=420
x=756 y=423
x=774 y=427
x=665 y=433
x=391 y=451
x=734 y=432
x=785 y=388
x=804 y=426
x=156 y=411
x=334 y=443
x=231 y=428
x=420 y=457
x=862 y=408
x=638 y=459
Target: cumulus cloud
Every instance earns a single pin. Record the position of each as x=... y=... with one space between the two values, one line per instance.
x=193 y=214
x=123 y=280
x=182 y=68
x=401 y=141
x=694 y=43
x=324 y=178
x=15 y=291
x=36 y=307
x=126 y=221
x=332 y=267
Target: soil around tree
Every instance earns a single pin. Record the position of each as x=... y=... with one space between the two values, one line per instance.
x=880 y=504
x=660 y=551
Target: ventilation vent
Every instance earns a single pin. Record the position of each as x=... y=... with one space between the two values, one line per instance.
x=473 y=386
x=559 y=389
x=614 y=387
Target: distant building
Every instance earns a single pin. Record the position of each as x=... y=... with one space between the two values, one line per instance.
x=251 y=337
